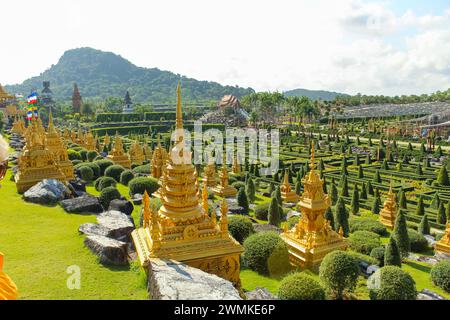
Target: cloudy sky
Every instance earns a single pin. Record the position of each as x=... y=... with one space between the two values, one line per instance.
x=374 y=47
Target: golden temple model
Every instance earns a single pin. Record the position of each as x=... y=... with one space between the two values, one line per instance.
x=89 y=141
x=182 y=230
x=118 y=155
x=18 y=126
x=136 y=152
x=287 y=194
x=8 y=289
x=389 y=212
x=36 y=162
x=210 y=173
x=147 y=152
x=158 y=160
x=223 y=189
x=443 y=245
x=57 y=147
x=312 y=237
x=236 y=167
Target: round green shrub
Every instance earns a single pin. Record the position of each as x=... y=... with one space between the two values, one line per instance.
x=298 y=286
x=91 y=155
x=103 y=164
x=140 y=184
x=261 y=211
x=126 y=176
x=95 y=168
x=83 y=153
x=114 y=171
x=440 y=275
x=418 y=242
x=266 y=253
x=339 y=273
x=86 y=173
x=366 y=224
x=240 y=227
x=73 y=154
x=378 y=254
x=104 y=182
x=392 y=283
x=107 y=195
x=144 y=169
x=364 y=241
x=76 y=162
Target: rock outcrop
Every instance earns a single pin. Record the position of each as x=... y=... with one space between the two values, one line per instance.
x=109 y=251
x=48 y=191
x=83 y=204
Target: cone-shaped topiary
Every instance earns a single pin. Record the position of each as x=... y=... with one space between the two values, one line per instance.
x=442 y=178
x=344 y=170
x=344 y=187
x=392 y=254
x=400 y=234
x=370 y=188
x=377 y=177
x=250 y=190
x=402 y=203
x=329 y=216
x=355 y=202
x=277 y=193
x=420 y=208
x=363 y=194
x=441 y=216
x=424 y=226
x=242 y=200
x=341 y=220
x=360 y=172
x=274 y=214
x=435 y=202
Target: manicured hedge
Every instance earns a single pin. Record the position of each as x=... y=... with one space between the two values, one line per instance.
x=240 y=227
x=107 y=195
x=366 y=224
x=364 y=241
x=140 y=184
x=114 y=171
x=298 y=286
x=440 y=275
x=392 y=283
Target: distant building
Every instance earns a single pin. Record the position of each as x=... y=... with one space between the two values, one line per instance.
x=47 y=95
x=229 y=101
x=77 y=100
x=128 y=108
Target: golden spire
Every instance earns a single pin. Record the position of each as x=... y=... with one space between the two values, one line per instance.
x=179 y=123
x=51 y=127
x=205 y=198
x=224 y=218
x=146 y=208
x=286 y=177
x=312 y=165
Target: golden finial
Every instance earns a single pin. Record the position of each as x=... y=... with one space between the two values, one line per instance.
x=179 y=121
x=146 y=208
x=286 y=177
x=205 y=198
x=341 y=231
x=224 y=218
x=312 y=165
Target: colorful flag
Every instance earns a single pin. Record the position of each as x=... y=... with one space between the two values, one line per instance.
x=32 y=98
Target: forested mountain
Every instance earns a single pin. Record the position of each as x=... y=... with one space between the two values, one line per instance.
x=314 y=94
x=102 y=74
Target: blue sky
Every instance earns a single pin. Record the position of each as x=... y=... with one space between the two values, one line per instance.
x=420 y=7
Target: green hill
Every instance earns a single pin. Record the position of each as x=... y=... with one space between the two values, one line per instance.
x=102 y=74
x=314 y=94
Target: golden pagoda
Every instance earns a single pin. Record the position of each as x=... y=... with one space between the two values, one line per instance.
x=18 y=126
x=57 y=147
x=4 y=96
x=182 y=230
x=147 y=152
x=36 y=162
x=118 y=155
x=312 y=237
x=443 y=245
x=73 y=137
x=8 y=289
x=89 y=141
x=158 y=160
x=389 y=212
x=223 y=189
x=106 y=140
x=236 y=167
x=66 y=135
x=136 y=153
x=287 y=194
x=210 y=174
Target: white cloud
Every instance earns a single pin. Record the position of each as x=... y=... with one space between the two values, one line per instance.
x=347 y=45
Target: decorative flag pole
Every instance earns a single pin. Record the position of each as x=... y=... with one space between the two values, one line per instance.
x=32 y=113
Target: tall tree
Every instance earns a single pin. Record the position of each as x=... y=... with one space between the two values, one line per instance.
x=401 y=236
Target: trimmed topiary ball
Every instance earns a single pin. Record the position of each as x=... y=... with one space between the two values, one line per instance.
x=440 y=275
x=391 y=283
x=378 y=254
x=86 y=173
x=261 y=211
x=126 y=176
x=140 y=184
x=298 y=286
x=95 y=168
x=144 y=169
x=114 y=172
x=339 y=273
x=240 y=227
x=104 y=182
x=364 y=241
x=91 y=155
x=73 y=155
x=104 y=164
x=418 y=242
x=266 y=253
x=107 y=195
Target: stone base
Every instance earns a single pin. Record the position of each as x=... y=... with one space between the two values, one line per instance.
x=26 y=181
x=227 y=192
x=300 y=255
x=219 y=256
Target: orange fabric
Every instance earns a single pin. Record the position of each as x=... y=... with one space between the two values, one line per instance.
x=8 y=290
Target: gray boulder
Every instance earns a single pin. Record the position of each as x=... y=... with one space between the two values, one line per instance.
x=109 y=251
x=172 y=280
x=83 y=204
x=118 y=224
x=426 y=294
x=93 y=229
x=48 y=191
x=137 y=199
x=123 y=206
x=260 y=294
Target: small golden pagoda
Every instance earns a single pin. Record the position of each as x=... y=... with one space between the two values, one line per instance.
x=4 y=96
x=118 y=155
x=18 y=126
x=389 y=212
x=147 y=152
x=66 y=135
x=36 y=162
x=443 y=245
x=136 y=153
x=80 y=140
x=312 y=237
x=223 y=189
x=158 y=160
x=89 y=141
x=182 y=230
x=236 y=167
x=57 y=147
x=106 y=140
x=287 y=194
x=8 y=289
x=210 y=173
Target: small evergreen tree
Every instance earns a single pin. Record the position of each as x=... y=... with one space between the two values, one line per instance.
x=271 y=188
x=441 y=216
x=400 y=234
x=435 y=201
x=360 y=172
x=341 y=220
x=298 y=187
x=330 y=217
x=250 y=190
x=392 y=254
x=402 y=203
x=278 y=195
x=334 y=193
x=377 y=177
x=242 y=200
x=344 y=170
x=375 y=206
x=370 y=188
x=363 y=194
x=443 y=179
x=420 y=209
x=424 y=226
x=355 y=202
x=344 y=189
x=274 y=214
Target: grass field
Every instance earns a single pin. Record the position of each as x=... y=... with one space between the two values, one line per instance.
x=39 y=244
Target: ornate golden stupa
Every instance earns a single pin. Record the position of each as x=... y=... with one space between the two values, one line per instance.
x=182 y=230
x=312 y=237
x=287 y=194
x=443 y=245
x=224 y=189
x=136 y=152
x=118 y=155
x=18 y=126
x=210 y=173
x=57 y=147
x=158 y=160
x=89 y=141
x=8 y=289
x=36 y=162
x=389 y=212
x=236 y=167
x=106 y=140
x=4 y=97
x=147 y=152
x=80 y=140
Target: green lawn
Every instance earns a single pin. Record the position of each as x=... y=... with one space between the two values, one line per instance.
x=39 y=244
